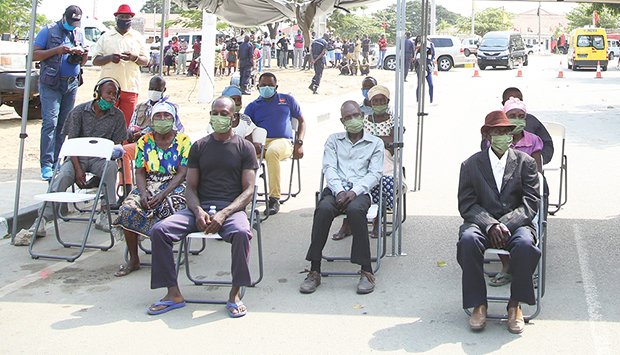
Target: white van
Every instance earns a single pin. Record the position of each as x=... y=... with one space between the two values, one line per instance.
x=92 y=30
x=613 y=48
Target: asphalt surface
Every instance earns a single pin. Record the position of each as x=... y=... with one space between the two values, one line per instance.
x=54 y=307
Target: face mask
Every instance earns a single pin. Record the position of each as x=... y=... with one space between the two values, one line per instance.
x=104 y=105
x=123 y=24
x=67 y=26
x=519 y=123
x=501 y=143
x=237 y=108
x=220 y=124
x=354 y=125
x=155 y=95
x=162 y=126
x=365 y=93
x=266 y=91
x=379 y=109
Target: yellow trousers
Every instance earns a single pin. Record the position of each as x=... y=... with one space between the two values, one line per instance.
x=276 y=150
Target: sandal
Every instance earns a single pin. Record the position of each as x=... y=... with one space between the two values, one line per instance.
x=236 y=310
x=340 y=236
x=500 y=279
x=168 y=306
x=125 y=270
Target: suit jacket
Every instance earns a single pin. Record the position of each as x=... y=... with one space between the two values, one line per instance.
x=515 y=206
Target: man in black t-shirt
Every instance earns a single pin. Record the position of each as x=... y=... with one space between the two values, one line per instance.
x=283 y=46
x=221 y=173
x=317 y=52
x=365 y=47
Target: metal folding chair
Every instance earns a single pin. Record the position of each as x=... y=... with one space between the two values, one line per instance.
x=374 y=211
x=259 y=135
x=76 y=147
x=294 y=162
x=185 y=245
x=558 y=163
x=539 y=274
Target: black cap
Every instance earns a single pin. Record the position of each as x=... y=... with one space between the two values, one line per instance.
x=73 y=14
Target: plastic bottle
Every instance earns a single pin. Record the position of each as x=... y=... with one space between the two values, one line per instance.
x=212 y=211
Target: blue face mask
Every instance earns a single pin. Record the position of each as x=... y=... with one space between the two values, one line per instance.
x=67 y=26
x=365 y=93
x=267 y=91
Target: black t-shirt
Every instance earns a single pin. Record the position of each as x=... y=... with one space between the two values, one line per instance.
x=220 y=165
x=366 y=45
x=283 y=42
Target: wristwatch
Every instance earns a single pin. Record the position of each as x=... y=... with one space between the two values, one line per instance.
x=299 y=141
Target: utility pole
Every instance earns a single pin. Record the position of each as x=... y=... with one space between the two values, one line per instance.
x=433 y=21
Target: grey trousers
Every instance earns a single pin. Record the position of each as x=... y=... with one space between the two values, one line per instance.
x=66 y=178
x=524 y=256
x=236 y=231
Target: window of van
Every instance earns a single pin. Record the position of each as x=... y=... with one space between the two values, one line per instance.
x=92 y=33
x=595 y=41
x=494 y=42
x=442 y=42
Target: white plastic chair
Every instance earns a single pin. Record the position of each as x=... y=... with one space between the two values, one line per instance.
x=76 y=147
x=558 y=163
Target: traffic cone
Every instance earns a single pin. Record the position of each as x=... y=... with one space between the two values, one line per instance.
x=435 y=71
x=598 y=70
x=520 y=71
x=476 y=73
x=560 y=71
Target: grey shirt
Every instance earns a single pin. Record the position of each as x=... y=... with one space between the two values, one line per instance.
x=356 y=167
x=83 y=122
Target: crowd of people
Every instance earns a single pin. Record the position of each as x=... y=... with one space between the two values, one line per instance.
x=183 y=186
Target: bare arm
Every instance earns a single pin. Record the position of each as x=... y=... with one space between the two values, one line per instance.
x=248 y=177
x=191 y=192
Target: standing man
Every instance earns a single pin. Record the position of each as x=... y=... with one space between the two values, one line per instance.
x=283 y=54
x=382 y=49
x=246 y=62
x=298 y=50
x=366 y=47
x=273 y=111
x=317 y=52
x=267 y=42
x=59 y=49
x=182 y=57
x=196 y=49
x=409 y=53
x=120 y=53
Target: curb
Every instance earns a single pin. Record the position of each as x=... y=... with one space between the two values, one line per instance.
x=25 y=218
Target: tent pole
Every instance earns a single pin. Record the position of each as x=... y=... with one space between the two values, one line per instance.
x=422 y=64
x=162 y=32
x=22 y=134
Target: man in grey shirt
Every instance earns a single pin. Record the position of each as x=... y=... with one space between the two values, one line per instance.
x=352 y=165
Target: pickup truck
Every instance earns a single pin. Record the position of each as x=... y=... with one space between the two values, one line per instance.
x=13 y=56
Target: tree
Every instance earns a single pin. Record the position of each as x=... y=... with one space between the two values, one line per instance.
x=15 y=17
x=487 y=20
x=349 y=25
x=154 y=6
x=582 y=16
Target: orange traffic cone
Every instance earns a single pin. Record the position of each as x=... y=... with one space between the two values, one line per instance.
x=435 y=71
x=520 y=71
x=560 y=71
x=476 y=73
x=598 y=70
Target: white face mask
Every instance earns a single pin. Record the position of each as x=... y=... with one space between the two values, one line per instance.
x=155 y=95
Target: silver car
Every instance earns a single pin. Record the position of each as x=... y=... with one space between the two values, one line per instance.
x=449 y=53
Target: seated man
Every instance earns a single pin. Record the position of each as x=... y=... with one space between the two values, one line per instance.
x=352 y=165
x=221 y=172
x=498 y=199
x=96 y=118
x=273 y=111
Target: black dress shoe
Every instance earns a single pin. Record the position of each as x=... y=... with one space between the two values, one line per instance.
x=274 y=206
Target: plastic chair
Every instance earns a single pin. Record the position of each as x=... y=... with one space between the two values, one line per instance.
x=76 y=147
x=373 y=211
x=558 y=163
x=184 y=252
x=539 y=274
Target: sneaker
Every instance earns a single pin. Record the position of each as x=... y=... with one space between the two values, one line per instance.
x=41 y=231
x=46 y=173
x=102 y=223
x=366 y=283
x=312 y=281
x=273 y=207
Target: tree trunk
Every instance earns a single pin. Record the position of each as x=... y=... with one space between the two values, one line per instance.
x=305 y=17
x=273 y=29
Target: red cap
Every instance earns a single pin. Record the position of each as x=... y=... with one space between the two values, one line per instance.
x=124 y=9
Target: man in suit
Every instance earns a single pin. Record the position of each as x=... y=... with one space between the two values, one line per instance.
x=498 y=198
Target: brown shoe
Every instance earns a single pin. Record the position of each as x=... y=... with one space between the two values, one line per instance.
x=312 y=281
x=366 y=284
x=478 y=318
x=516 y=324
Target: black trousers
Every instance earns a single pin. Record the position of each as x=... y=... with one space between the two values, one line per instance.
x=407 y=67
x=524 y=256
x=244 y=76
x=324 y=215
x=318 y=72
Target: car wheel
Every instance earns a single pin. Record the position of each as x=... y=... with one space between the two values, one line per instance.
x=34 y=109
x=604 y=68
x=483 y=67
x=526 y=62
x=611 y=55
x=444 y=63
x=389 y=63
x=570 y=66
x=467 y=52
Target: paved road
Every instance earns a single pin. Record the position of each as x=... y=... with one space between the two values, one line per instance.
x=80 y=307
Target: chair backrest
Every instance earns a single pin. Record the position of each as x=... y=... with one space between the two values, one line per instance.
x=557 y=133
x=259 y=135
x=87 y=147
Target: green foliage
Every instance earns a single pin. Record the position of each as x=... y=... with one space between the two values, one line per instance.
x=349 y=25
x=487 y=20
x=189 y=19
x=111 y=23
x=151 y=6
x=582 y=16
x=15 y=17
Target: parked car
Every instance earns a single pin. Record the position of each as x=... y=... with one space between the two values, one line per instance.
x=613 y=48
x=13 y=56
x=449 y=53
x=501 y=49
x=470 y=46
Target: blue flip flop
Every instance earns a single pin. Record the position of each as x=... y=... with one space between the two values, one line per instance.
x=170 y=305
x=230 y=306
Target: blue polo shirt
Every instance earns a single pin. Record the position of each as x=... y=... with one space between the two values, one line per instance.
x=66 y=69
x=274 y=114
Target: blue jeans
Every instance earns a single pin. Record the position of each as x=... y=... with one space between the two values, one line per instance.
x=56 y=103
x=381 y=59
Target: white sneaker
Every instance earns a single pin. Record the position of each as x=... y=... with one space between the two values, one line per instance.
x=103 y=222
x=41 y=231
